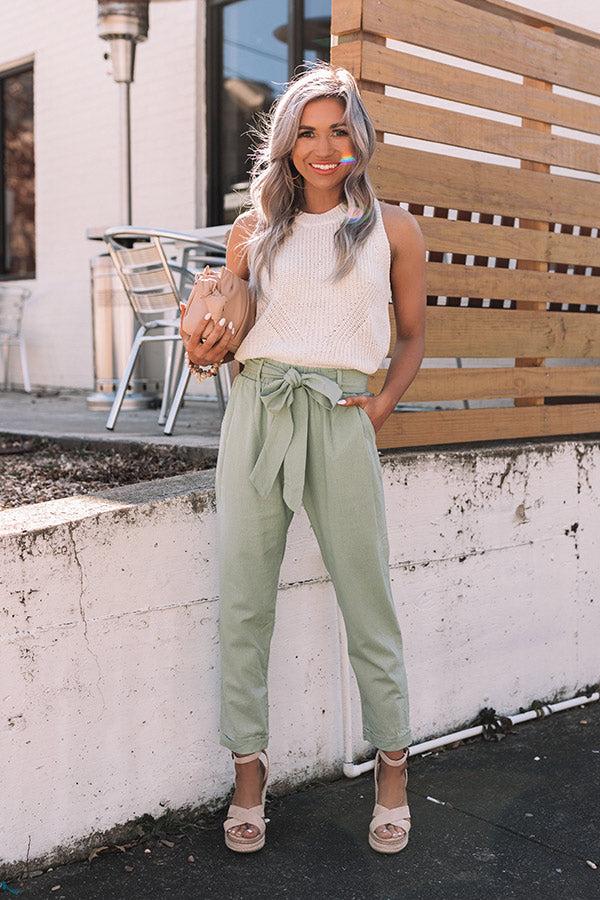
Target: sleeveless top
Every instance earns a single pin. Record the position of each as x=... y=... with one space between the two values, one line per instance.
x=305 y=318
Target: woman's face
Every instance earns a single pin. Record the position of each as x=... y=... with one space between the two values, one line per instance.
x=323 y=152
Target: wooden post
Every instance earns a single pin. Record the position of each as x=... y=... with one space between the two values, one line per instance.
x=532 y=265
x=346 y=54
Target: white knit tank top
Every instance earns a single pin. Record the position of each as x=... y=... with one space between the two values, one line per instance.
x=305 y=318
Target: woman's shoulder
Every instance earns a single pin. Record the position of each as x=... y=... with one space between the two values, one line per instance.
x=247 y=220
x=396 y=218
x=237 y=243
x=402 y=229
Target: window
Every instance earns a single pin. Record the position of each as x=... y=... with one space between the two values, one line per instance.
x=17 y=187
x=253 y=48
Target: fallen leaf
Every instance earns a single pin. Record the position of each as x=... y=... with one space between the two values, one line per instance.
x=98 y=850
x=167 y=843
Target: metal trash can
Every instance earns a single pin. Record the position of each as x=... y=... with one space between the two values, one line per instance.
x=114 y=328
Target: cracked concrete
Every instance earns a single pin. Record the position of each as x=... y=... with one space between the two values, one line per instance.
x=71 y=526
x=118 y=593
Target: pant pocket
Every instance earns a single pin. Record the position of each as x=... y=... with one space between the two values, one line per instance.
x=366 y=422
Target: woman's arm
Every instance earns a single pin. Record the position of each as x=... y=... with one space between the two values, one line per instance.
x=215 y=347
x=407 y=277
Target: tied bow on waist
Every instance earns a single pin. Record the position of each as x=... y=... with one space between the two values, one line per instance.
x=286 y=398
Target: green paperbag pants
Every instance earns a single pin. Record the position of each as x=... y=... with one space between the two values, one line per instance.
x=284 y=442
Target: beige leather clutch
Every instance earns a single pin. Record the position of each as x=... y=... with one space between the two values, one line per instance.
x=221 y=293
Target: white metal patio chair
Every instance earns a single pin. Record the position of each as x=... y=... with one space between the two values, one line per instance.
x=12 y=300
x=193 y=259
x=146 y=261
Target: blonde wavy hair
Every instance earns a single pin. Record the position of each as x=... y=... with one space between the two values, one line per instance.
x=276 y=187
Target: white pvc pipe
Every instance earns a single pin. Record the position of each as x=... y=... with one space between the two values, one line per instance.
x=352 y=770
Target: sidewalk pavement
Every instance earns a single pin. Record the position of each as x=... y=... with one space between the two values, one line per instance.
x=513 y=819
x=517 y=819
x=65 y=415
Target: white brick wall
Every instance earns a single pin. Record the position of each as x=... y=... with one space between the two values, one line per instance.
x=76 y=121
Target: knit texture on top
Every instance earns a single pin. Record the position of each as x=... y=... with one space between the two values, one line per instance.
x=306 y=318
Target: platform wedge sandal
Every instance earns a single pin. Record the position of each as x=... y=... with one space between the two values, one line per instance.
x=399 y=816
x=255 y=815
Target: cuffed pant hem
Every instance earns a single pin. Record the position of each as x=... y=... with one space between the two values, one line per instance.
x=387 y=744
x=245 y=745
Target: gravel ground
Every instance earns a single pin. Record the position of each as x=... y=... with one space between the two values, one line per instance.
x=36 y=469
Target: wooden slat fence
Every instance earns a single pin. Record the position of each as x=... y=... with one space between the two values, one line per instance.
x=501 y=167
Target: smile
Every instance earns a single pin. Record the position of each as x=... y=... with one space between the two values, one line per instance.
x=324 y=167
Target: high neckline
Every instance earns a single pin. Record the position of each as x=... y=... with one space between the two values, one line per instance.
x=332 y=215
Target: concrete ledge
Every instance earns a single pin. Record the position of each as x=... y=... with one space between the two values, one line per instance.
x=109 y=642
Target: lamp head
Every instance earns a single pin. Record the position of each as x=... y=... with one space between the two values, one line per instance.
x=124 y=23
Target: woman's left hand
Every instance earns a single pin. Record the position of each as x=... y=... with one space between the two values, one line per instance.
x=371 y=405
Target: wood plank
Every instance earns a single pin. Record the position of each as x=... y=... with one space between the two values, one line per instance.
x=425 y=76
x=453 y=280
x=474 y=238
x=507 y=333
x=470 y=33
x=498 y=333
x=460 y=426
x=495 y=383
x=349 y=56
x=445 y=126
x=346 y=16
x=534 y=165
x=400 y=174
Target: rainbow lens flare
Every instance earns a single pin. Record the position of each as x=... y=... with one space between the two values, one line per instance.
x=354 y=214
x=347 y=159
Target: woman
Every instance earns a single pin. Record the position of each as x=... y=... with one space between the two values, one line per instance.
x=324 y=258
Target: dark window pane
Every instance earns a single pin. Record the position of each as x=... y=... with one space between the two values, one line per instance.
x=251 y=64
x=317 y=27
x=18 y=174
x=255 y=70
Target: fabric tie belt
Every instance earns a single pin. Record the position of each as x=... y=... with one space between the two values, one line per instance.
x=285 y=392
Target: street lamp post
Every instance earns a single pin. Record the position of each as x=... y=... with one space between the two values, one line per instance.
x=123 y=23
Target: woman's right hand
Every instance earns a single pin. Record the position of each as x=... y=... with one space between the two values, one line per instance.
x=209 y=343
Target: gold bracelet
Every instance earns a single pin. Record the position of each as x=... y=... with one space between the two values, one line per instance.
x=201 y=373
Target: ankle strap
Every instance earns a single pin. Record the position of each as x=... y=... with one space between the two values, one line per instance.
x=239 y=760
x=393 y=762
